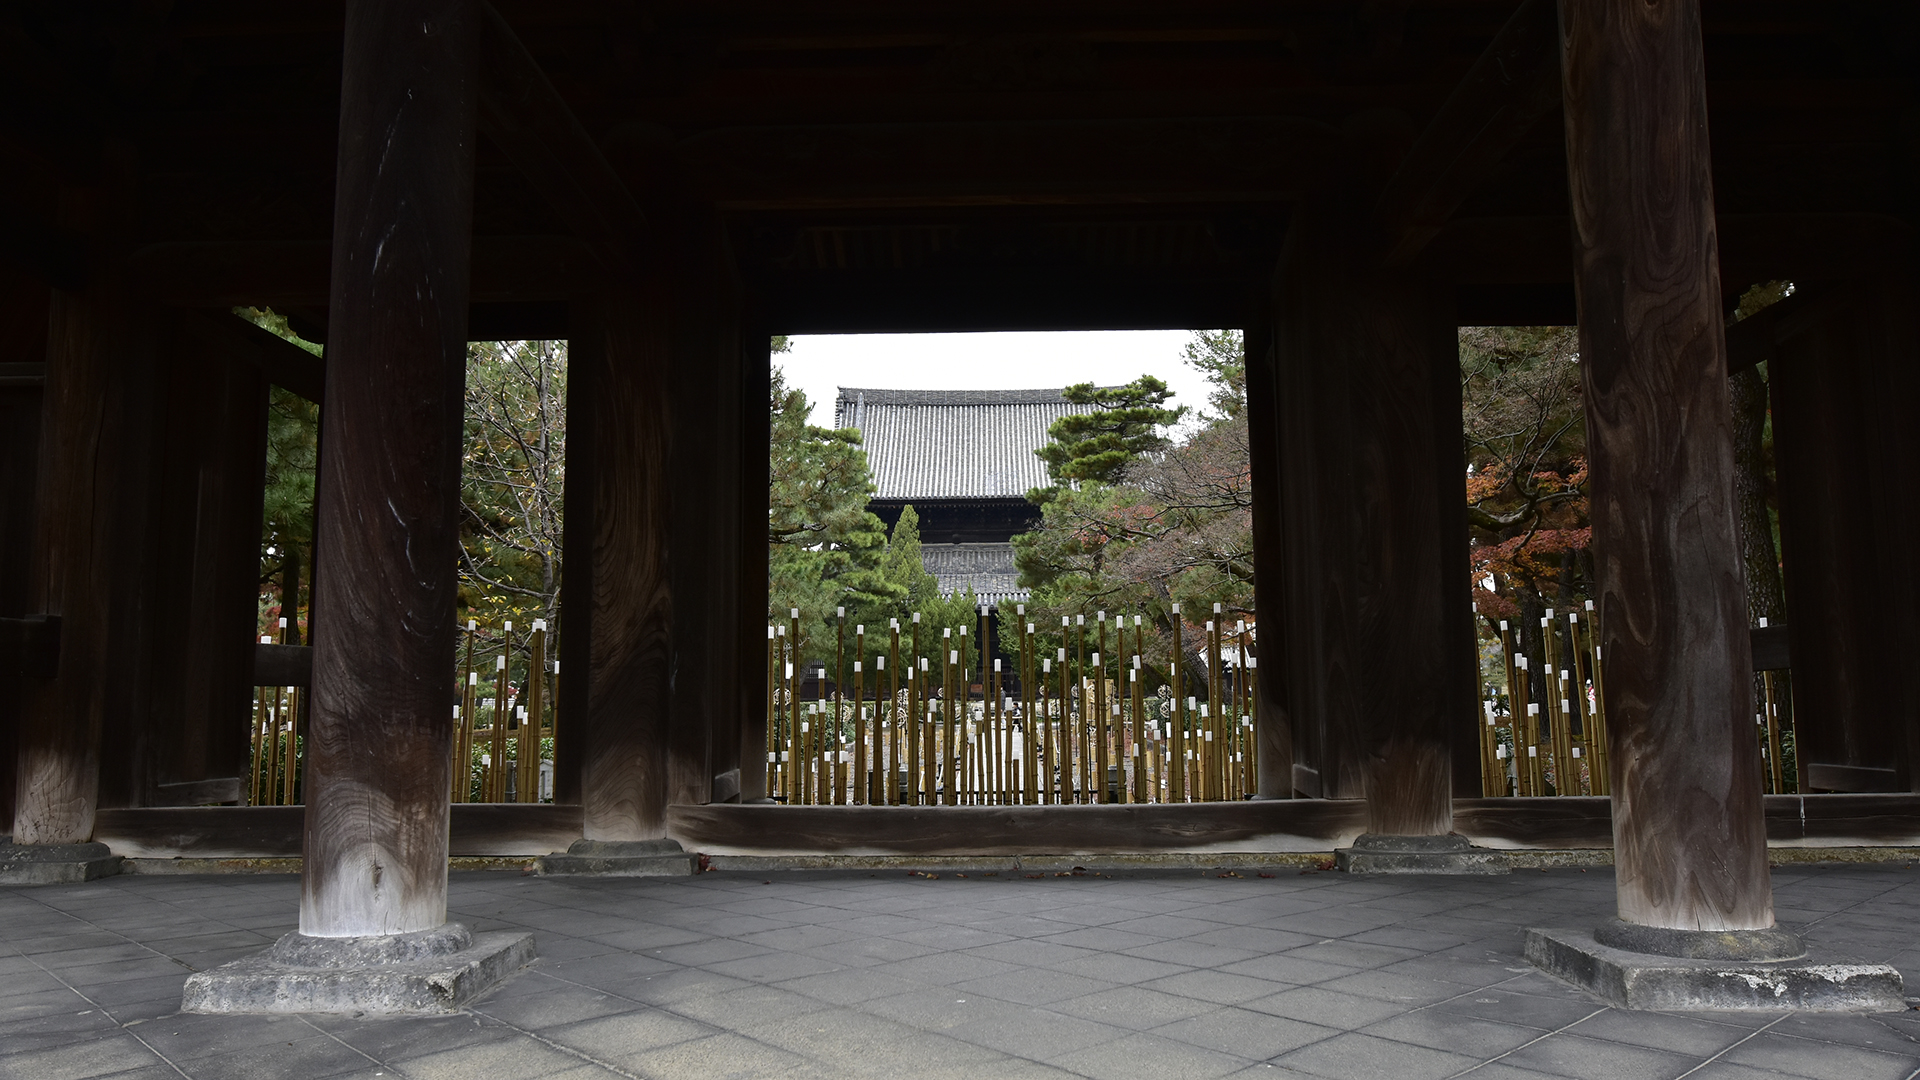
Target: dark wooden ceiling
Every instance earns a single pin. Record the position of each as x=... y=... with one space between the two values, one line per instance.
x=877 y=165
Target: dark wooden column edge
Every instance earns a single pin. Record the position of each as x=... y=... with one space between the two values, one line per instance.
x=29 y=646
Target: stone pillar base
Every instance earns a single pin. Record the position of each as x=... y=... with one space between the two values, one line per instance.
x=431 y=971
x=1375 y=853
x=1655 y=982
x=616 y=858
x=55 y=864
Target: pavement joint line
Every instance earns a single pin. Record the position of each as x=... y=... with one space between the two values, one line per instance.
x=82 y=919
x=1530 y=1042
x=568 y=1050
x=106 y=1012
x=384 y=1065
x=1756 y=1033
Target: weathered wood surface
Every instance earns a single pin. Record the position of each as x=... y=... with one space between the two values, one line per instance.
x=530 y=122
x=236 y=832
x=387 y=523
x=1513 y=84
x=1376 y=620
x=295 y=273
x=89 y=561
x=755 y=434
x=23 y=367
x=620 y=356
x=281 y=362
x=1842 y=440
x=1688 y=825
x=1304 y=824
x=282 y=665
x=1272 y=722
x=1753 y=247
x=1277 y=825
x=707 y=472
x=210 y=483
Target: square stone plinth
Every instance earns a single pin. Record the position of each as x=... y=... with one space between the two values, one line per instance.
x=55 y=864
x=272 y=983
x=1375 y=853
x=1633 y=980
x=620 y=858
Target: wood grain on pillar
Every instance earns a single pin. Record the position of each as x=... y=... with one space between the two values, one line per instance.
x=1376 y=619
x=96 y=451
x=1272 y=725
x=618 y=359
x=387 y=523
x=1689 y=835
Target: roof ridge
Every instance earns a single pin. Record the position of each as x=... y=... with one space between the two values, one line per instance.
x=886 y=396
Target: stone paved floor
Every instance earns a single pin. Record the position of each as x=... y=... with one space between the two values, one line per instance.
x=841 y=974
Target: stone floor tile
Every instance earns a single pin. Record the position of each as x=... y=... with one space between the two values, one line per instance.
x=1527 y=1010
x=722 y=1057
x=1219 y=987
x=1133 y=1008
x=1569 y=1055
x=103 y=1056
x=314 y=1056
x=1245 y=1033
x=1452 y=1032
x=1329 y=1008
x=1148 y=1057
x=1822 y=1060
x=1354 y=1056
x=626 y=1033
x=520 y=1057
x=1694 y=1036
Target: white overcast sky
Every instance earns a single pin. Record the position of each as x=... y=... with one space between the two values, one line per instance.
x=822 y=363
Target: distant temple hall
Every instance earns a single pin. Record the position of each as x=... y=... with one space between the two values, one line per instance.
x=964 y=459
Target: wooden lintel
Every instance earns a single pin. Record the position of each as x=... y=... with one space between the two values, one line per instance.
x=30 y=646
x=1515 y=82
x=1837 y=820
x=1007 y=163
x=296 y=273
x=198 y=792
x=1753 y=248
x=282 y=665
x=1758 y=337
x=1771 y=651
x=526 y=118
x=282 y=362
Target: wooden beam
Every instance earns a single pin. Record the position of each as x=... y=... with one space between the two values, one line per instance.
x=280 y=361
x=1752 y=248
x=528 y=120
x=1515 y=82
x=388 y=520
x=1672 y=608
x=1272 y=722
x=220 y=274
x=997 y=164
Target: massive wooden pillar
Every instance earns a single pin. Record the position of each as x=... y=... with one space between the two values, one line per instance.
x=1843 y=372
x=704 y=527
x=620 y=605
x=756 y=433
x=1272 y=727
x=1689 y=840
x=23 y=367
x=388 y=516
x=208 y=496
x=1376 y=621
x=96 y=459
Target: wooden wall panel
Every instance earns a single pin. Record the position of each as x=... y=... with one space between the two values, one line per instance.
x=1843 y=440
x=620 y=354
x=23 y=359
x=1378 y=636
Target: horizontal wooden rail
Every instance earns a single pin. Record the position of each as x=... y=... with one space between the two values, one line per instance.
x=479 y=829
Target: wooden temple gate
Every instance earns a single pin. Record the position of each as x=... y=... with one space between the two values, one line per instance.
x=1348 y=184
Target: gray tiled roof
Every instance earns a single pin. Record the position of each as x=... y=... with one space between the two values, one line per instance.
x=987 y=567
x=953 y=444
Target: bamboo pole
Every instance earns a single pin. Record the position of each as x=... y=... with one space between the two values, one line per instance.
x=862 y=773
x=1101 y=725
x=496 y=778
